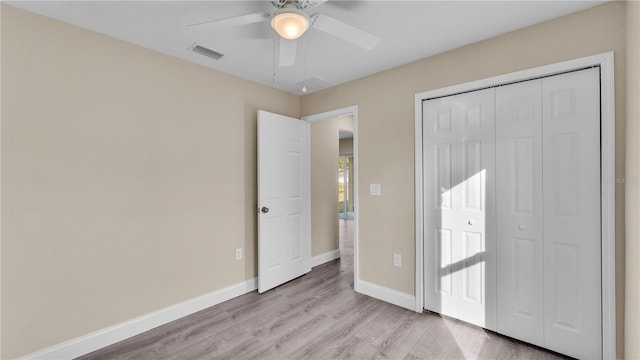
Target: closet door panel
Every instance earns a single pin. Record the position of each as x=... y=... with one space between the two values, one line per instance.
x=519 y=211
x=441 y=209
x=445 y=293
x=572 y=233
x=476 y=220
x=459 y=190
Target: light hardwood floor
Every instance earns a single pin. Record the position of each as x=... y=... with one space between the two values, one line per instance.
x=318 y=316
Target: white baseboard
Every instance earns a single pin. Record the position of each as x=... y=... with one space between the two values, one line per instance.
x=96 y=340
x=325 y=258
x=385 y=294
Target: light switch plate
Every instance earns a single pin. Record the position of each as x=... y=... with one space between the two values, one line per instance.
x=375 y=189
x=397 y=260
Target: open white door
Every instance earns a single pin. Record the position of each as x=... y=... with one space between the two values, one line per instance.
x=284 y=205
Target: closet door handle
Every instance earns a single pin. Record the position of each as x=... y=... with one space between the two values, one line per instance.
x=521 y=227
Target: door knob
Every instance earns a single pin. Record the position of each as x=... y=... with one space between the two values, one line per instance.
x=470 y=222
x=264 y=209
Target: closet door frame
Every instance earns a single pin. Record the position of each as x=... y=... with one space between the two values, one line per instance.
x=607 y=182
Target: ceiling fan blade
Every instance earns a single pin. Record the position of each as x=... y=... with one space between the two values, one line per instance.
x=233 y=21
x=345 y=31
x=288 y=49
x=308 y=3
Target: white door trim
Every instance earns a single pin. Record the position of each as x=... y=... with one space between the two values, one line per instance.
x=606 y=63
x=349 y=110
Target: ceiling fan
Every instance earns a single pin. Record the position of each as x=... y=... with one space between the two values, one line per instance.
x=290 y=21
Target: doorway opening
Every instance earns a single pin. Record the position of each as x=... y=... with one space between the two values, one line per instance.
x=335 y=216
x=346 y=208
x=345 y=176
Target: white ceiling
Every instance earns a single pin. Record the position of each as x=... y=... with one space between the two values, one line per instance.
x=410 y=30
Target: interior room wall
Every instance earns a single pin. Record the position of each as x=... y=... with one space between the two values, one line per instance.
x=346 y=146
x=324 y=182
x=128 y=179
x=386 y=128
x=632 y=183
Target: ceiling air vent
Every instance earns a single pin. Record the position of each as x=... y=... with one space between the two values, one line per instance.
x=206 y=52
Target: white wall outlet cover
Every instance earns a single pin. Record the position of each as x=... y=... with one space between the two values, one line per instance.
x=375 y=189
x=239 y=254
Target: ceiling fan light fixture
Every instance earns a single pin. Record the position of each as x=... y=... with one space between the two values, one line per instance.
x=290 y=23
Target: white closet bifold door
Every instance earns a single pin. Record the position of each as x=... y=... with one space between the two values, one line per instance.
x=519 y=208
x=512 y=210
x=572 y=234
x=459 y=173
x=440 y=175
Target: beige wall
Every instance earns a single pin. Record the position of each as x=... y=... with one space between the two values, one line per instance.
x=346 y=146
x=632 y=298
x=124 y=172
x=386 y=127
x=324 y=182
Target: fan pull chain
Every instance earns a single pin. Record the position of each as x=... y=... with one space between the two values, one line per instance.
x=274 y=58
x=304 y=64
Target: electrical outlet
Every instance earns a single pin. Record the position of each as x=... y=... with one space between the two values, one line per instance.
x=397 y=260
x=239 y=254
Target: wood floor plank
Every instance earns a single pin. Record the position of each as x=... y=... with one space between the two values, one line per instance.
x=322 y=346
x=404 y=337
x=437 y=341
x=317 y=316
x=353 y=347
x=388 y=320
